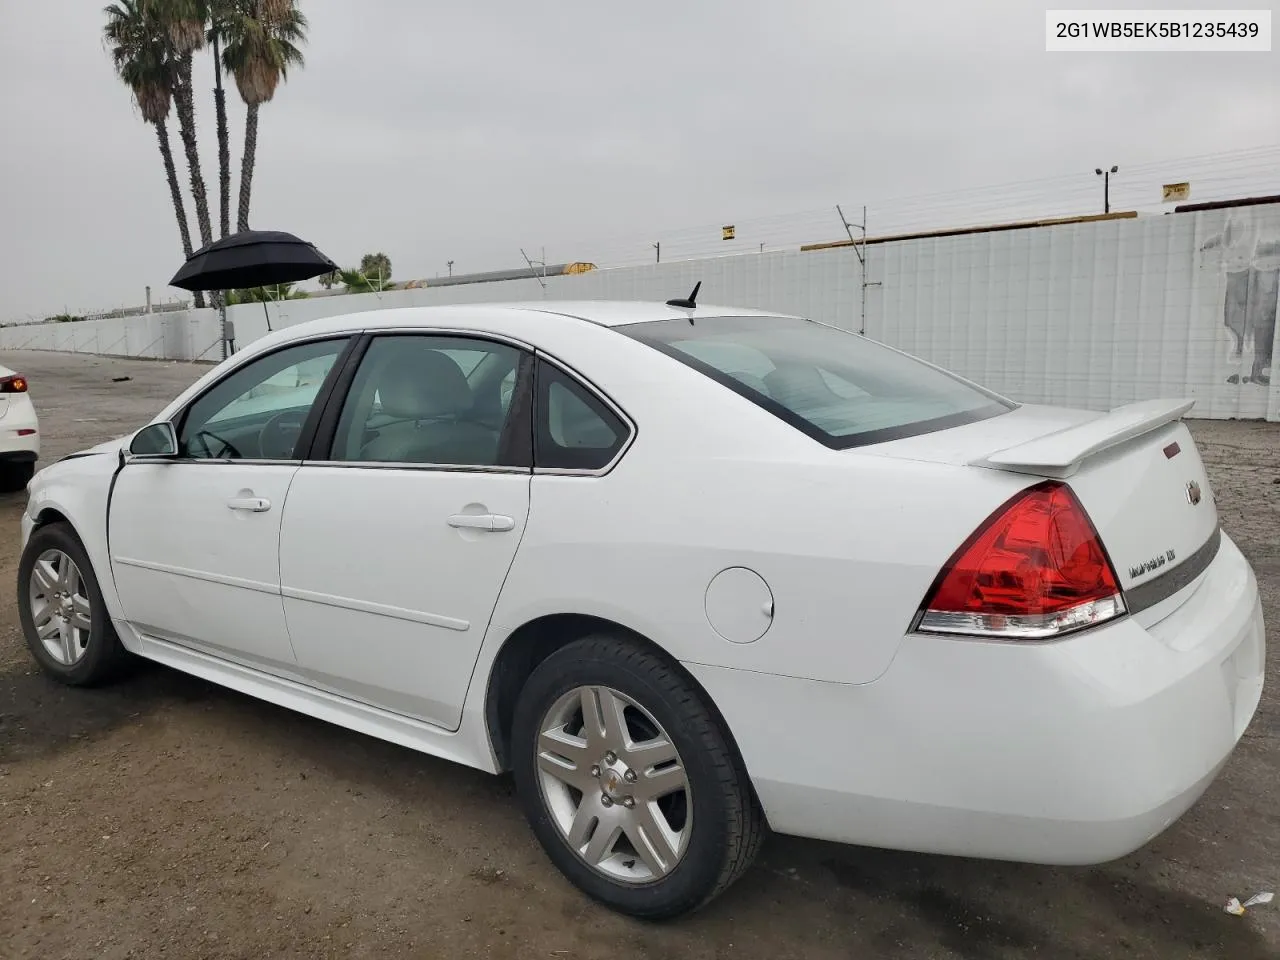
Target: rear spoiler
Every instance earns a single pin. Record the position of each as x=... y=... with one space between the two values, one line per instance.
x=1060 y=454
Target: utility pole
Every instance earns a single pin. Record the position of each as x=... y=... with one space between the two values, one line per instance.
x=1106 y=186
x=657 y=251
x=451 y=268
x=542 y=280
x=861 y=250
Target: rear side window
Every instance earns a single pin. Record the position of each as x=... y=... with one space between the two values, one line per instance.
x=575 y=429
x=839 y=388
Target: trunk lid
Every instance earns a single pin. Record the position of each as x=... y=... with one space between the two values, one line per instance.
x=1136 y=470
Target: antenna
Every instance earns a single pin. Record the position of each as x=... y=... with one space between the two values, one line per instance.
x=691 y=301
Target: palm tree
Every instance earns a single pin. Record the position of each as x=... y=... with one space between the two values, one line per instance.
x=271 y=294
x=185 y=21
x=377 y=267
x=263 y=39
x=219 y=12
x=357 y=281
x=276 y=11
x=140 y=52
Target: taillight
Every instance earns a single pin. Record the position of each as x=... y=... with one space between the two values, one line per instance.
x=13 y=384
x=1034 y=570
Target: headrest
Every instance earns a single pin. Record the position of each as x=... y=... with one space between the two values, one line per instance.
x=797 y=387
x=420 y=384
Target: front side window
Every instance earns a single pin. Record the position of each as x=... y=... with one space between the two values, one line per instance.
x=575 y=429
x=257 y=413
x=839 y=388
x=427 y=399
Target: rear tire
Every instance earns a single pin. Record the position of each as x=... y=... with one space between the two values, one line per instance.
x=15 y=476
x=696 y=800
x=56 y=583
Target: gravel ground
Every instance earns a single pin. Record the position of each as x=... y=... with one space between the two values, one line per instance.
x=165 y=817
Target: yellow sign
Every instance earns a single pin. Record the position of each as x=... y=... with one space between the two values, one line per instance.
x=726 y=233
x=1177 y=191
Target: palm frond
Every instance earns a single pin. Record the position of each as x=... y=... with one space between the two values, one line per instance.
x=271 y=294
x=141 y=54
x=185 y=21
x=259 y=51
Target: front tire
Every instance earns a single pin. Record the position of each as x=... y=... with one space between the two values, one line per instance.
x=60 y=605
x=629 y=782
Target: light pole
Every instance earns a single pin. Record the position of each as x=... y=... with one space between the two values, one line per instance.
x=1106 y=186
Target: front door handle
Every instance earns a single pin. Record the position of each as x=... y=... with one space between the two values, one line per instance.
x=252 y=504
x=493 y=522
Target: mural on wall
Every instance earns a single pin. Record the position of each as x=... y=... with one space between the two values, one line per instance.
x=1246 y=253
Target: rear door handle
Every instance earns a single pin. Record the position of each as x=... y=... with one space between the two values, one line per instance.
x=252 y=504
x=493 y=522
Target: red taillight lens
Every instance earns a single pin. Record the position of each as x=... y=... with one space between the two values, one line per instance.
x=13 y=384
x=1035 y=570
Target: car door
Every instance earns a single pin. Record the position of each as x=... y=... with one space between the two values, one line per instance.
x=194 y=539
x=396 y=541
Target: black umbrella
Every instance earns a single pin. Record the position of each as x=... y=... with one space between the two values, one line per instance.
x=252 y=258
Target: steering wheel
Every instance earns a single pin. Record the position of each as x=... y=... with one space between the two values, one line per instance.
x=278 y=439
x=225 y=446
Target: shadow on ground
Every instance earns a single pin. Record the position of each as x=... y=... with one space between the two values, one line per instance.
x=39 y=717
x=886 y=902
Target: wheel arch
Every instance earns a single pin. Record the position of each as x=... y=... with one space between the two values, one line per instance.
x=532 y=642
x=54 y=510
x=48 y=515
x=77 y=492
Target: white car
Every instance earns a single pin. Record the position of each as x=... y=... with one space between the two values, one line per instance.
x=688 y=572
x=19 y=432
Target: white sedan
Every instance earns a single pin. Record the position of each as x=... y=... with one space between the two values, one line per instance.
x=19 y=432
x=688 y=573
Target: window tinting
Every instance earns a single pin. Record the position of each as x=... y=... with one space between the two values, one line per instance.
x=575 y=429
x=835 y=386
x=258 y=412
x=425 y=399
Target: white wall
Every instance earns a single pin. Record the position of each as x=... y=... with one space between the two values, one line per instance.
x=178 y=335
x=1089 y=314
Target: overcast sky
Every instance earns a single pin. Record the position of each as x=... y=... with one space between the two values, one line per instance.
x=464 y=131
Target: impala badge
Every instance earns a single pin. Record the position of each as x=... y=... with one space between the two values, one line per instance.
x=1193 y=493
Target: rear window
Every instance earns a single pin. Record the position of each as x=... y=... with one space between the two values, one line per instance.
x=837 y=387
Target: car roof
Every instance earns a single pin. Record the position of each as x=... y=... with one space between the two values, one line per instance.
x=605 y=313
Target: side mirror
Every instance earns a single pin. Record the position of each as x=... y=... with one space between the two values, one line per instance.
x=156 y=441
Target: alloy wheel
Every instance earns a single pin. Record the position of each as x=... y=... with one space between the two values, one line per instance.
x=60 y=608
x=614 y=784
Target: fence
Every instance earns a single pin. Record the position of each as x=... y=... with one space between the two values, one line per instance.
x=1090 y=314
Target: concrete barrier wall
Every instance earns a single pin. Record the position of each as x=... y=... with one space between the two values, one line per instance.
x=1089 y=314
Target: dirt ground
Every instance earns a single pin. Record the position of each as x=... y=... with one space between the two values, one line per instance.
x=166 y=817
